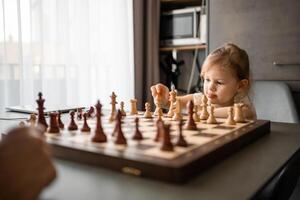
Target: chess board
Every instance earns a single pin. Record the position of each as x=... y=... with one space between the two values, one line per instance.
x=206 y=146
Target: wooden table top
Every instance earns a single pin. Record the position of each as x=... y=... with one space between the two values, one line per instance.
x=239 y=176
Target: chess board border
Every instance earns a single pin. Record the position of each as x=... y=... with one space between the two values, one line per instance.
x=178 y=170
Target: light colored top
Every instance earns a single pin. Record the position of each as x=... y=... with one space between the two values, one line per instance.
x=239 y=99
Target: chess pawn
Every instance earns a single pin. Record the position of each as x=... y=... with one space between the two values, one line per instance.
x=204 y=114
x=137 y=134
x=147 y=113
x=211 y=118
x=22 y=124
x=79 y=113
x=32 y=120
x=173 y=95
x=85 y=126
x=177 y=111
x=72 y=126
x=122 y=109
x=230 y=120
x=190 y=123
x=238 y=113
x=60 y=123
x=181 y=141
x=53 y=127
x=195 y=115
x=133 y=110
x=160 y=114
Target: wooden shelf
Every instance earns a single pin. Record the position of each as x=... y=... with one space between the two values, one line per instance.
x=183 y=48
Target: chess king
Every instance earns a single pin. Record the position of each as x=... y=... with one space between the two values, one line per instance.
x=226 y=80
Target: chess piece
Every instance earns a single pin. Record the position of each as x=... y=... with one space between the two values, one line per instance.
x=158 y=100
x=122 y=109
x=181 y=141
x=159 y=125
x=72 y=126
x=91 y=112
x=137 y=134
x=190 y=123
x=173 y=95
x=79 y=114
x=32 y=120
x=211 y=118
x=54 y=127
x=120 y=139
x=166 y=143
x=85 y=126
x=204 y=114
x=99 y=135
x=22 y=124
x=113 y=107
x=238 y=113
x=160 y=113
x=133 y=110
x=60 y=123
x=147 y=113
x=230 y=120
x=195 y=115
x=177 y=111
x=41 y=117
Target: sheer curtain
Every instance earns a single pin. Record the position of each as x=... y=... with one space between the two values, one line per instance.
x=74 y=51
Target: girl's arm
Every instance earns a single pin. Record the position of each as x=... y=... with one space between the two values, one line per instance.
x=248 y=112
x=185 y=99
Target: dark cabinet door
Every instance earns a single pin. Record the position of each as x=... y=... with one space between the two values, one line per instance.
x=269 y=30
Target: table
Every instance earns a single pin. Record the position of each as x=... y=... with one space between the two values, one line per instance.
x=239 y=176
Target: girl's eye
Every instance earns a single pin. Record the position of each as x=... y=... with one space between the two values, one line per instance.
x=207 y=80
x=219 y=83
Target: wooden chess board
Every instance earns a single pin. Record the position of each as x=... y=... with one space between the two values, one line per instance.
x=209 y=144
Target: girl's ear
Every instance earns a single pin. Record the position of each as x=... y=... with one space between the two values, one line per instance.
x=243 y=85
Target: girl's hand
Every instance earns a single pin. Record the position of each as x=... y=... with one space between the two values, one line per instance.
x=161 y=92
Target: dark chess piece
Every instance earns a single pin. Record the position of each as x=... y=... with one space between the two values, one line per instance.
x=181 y=141
x=120 y=139
x=99 y=135
x=79 y=113
x=190 y=123
x=159 y=125
x=60 y=123
x=54 y=126
x=137 y=134
x=85 y=126
x=72 y=126
x=41 y=116
x=90 y=112
x=166 y=144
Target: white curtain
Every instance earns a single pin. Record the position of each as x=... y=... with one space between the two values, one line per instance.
x=74 y=51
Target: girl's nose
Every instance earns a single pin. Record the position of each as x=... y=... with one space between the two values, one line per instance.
x=212 y=86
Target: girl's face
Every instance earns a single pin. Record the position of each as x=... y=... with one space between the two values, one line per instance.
x=221 y=85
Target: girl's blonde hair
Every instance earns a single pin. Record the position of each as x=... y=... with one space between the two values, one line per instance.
x=229 y=56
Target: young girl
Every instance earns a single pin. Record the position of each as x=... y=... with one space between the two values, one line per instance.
x=225 y=73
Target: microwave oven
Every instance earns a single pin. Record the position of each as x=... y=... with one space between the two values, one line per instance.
x=181 y=27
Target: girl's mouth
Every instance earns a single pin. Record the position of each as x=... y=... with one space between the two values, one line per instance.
x=211 y=96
